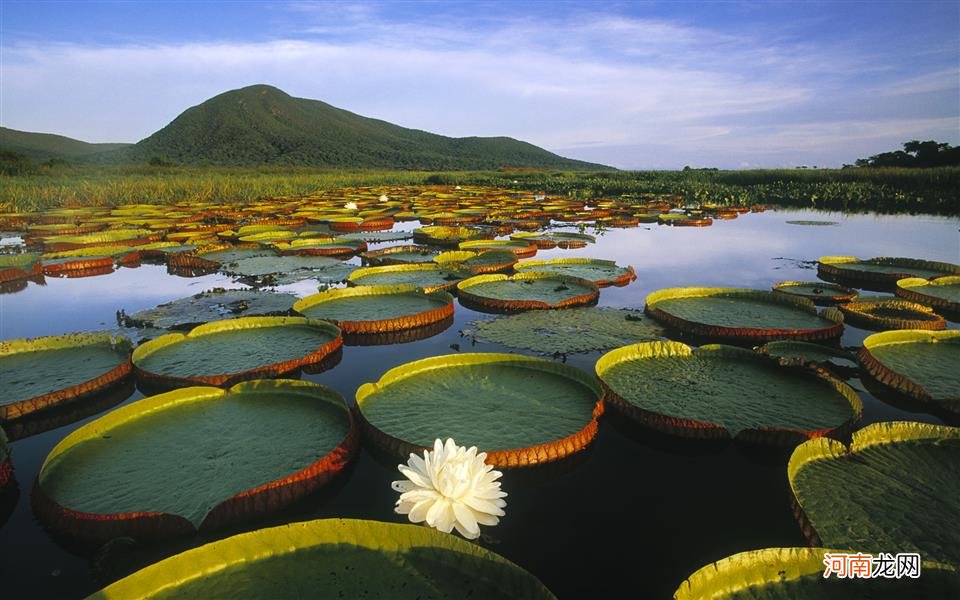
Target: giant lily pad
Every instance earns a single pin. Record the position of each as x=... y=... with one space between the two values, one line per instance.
x=798 y=573
x=490 y=261
x=522 y=248
x=568 y=331
x=720 y=391
x=816 y=292
x=214 y=305
x=563 y=239
x=518 y=409
x=15 y=267
x=941 y=293
x=883 y=269
x=891 y=314
x=601 y=272
x=919 y=364
x=375 y=309
x=225 y=352
x=440 y=235
x=198 y=457
x=334 y=558
x=430 y=277
x=378 y=236
x=43 y=372
x=804 y=353
x=322 y=246
x=742 y=314
x=526 y=291
x=893 y=490
x=280 y=270
x=399 y=255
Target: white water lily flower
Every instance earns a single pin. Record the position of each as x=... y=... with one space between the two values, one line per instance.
x=350 y=205
x=383 y=198
x=451 y=487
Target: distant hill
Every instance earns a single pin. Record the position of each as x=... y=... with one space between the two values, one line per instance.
x=44 y=146
x=261 y=124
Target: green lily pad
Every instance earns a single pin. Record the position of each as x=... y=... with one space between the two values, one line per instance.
x=490 y=261
x=441 y=235
x=804 y=353
x=563 y=239
x=798 y=574
x=377 y=308
x=429 y=276
x=920 y=364
x=323 y=246
x=198 y=456
x=42 y=372
x=893 y=490
x=378 y=236
x=941 y=293
x=23 y=261
x=816 y=292
x=213 y=305
x=229 y=256
x=334 y=558
x=569 y=331
x=742 y=314
x=883 y=269
x=601 y=272
x=225 y=352
x=723 y=391
x=281 y=270
x=522 y=248
x=891 y=314
x=396 y=255
x=526 y=291
x=814 y=223
x=519 y=409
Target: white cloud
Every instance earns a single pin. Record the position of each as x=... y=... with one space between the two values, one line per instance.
x=590 y=85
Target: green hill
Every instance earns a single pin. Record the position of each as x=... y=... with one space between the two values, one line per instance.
x=44 y=146
x=263 y=125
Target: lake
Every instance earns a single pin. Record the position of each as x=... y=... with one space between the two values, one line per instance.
x=675 y=506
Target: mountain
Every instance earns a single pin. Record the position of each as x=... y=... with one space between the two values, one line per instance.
x=261 y=124
x=44 y=146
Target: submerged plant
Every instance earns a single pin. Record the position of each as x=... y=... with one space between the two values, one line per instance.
x=451 y=487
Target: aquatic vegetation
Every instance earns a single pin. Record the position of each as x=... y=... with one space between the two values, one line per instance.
x=554 y=239
x=569 y=331
x=866 y=496
x=799 y=573
x=891 y=314
x=517 y=409
x=882 y=270
x=817 y=292
x=195 y=458
x=742 y=315
x=526 y=291
x=450 y=487
x=719 y=392
x=376 y=309
x=601 y=272
x=942 y=293
x=804 y=353
x=430 y=277
x=919 y=364
x=43 y=372
x=359 y=559
x=226 y=352
x=397 y=255
x=212 y=305
x=280 y=270
x=477 y=263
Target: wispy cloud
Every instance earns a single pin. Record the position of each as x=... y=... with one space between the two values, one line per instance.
x=588 y=85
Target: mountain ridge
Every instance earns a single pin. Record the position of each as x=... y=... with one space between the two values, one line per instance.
x=263 y=125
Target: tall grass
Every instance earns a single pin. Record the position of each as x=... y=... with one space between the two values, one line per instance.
x=883 y=190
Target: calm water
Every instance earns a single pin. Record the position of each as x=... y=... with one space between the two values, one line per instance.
x=677 y=506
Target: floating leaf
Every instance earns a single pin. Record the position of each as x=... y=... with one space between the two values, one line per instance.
x=804 y=353
x=46 y=371
x=195 y=458
x=816 y=292
x=226 y=352
x=281 y=270
x=377 y=308
x=214 y=305
x=882 y=269
x=919 y=364
x=718 y=391
x=518 y=409
x=396 y=255
x=893 y=490
x=430 y=277
x=798 y=573
x=941 y=293
x=568 y=331
x=891 y=314
x=601 y=272
x=742 y=314
x=526 y=291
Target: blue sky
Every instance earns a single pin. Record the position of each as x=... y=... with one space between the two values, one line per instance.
x=631 y=84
